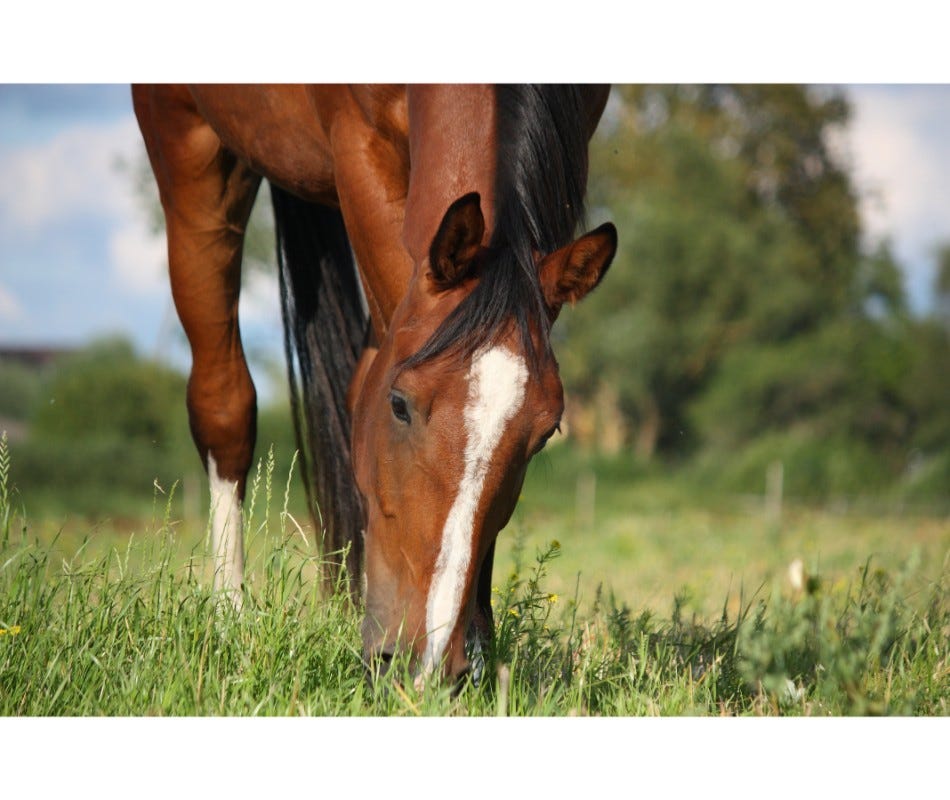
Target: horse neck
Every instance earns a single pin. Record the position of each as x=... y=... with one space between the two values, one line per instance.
x=453 y=151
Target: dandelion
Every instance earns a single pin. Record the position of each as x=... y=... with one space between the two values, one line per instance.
x=13 y=630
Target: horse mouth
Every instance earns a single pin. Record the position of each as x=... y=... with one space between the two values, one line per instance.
x=476 y=645
x=378 y=660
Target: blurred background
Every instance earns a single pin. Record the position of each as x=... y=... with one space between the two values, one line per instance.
x=769 y=354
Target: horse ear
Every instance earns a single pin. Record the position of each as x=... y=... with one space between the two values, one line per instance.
x=457 y=241
x=569 y=273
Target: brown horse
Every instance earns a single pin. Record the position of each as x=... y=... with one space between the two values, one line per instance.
x=460 y=205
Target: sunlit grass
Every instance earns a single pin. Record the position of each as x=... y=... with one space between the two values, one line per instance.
x=649 y=536
x=133 y=628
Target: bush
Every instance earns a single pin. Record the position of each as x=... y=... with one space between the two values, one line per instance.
x=105 y=425
x=814 y=467
x=19 y=390
x=926 y=481
x=90 y=474
x=107 y=391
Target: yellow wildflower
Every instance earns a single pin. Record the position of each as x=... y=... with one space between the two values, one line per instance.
x=13 y=630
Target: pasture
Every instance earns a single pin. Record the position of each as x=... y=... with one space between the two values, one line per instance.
x=634 y=596
x=768 y=551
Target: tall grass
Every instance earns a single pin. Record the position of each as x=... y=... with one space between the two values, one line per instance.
x=137 y=631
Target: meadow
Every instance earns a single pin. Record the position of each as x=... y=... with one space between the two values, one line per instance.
x=617 y=593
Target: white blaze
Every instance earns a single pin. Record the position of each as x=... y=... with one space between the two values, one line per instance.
x=227 y=534
x=495 y=393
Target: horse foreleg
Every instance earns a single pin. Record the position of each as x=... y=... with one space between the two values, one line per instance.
x=222 y=402
x=222 y=412
x=207 y=195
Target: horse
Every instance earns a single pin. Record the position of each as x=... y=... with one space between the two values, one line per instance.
x=426 y=244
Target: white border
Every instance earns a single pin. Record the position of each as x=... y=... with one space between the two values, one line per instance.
x=478 y=758
x=730 y=40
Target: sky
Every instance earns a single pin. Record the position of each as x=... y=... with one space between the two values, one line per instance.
x=78 y=260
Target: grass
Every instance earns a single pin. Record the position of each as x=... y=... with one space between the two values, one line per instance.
x=131 y=628
x=653 y=537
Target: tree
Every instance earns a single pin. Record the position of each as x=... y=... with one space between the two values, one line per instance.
x=927 y=389
x=942 y=285
x=19 y=389
x=738 y=224
x=105 y=391
x=105 y=423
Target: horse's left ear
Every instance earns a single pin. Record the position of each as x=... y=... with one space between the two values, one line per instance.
x=457 y=241
x=569 y=273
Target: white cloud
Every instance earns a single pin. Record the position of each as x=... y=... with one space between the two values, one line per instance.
x=895 y=156
x=11 y=309
x=138 y=258
x=260 y=299
x=885 y=168
x=74 y=172
x=899 y=146
x=77 y=175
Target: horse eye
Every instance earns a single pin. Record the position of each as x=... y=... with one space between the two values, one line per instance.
x=400 y=407
x=547 y=437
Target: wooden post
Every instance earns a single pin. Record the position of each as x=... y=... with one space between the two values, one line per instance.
x=774 y=480
x=585 y=500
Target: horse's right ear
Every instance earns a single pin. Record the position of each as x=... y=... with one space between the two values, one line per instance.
x=568 y=274
x=457 y=242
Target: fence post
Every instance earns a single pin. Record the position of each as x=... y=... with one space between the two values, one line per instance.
x=585 y=500
x=774 y=480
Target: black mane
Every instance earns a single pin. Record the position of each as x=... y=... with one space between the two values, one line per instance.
x=539 y=201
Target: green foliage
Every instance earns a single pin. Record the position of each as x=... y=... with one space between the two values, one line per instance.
x=20 y=389
x=137 y=631
x=842 y=651
x=816 y=468
x=843 y=380
x=926 y=480
x=93 y=476
x=927 y=386
x=105 y=425
x=737 y=226
x=106 y=390
x=942 y=279
x=742 y=313
x=102 y=636
x=275 y=430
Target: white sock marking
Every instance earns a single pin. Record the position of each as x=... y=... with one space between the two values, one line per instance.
x=227 y=534
x=495 y=393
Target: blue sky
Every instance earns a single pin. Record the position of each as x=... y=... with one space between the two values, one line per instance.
x=77 y=259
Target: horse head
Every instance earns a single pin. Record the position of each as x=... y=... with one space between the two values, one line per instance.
x=463 y=391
